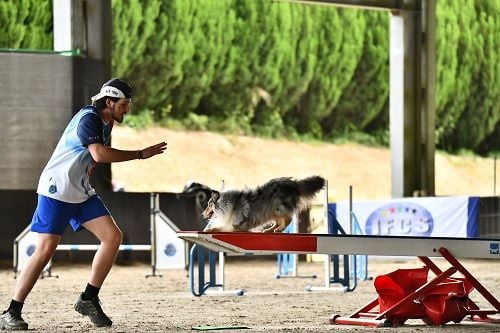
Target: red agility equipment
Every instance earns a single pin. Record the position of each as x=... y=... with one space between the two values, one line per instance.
x=408 y=294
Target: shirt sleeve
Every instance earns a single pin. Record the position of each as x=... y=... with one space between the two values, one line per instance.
x=90 y=130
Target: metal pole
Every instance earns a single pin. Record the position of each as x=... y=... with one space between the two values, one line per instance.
x=350 y=210
x=154 y=204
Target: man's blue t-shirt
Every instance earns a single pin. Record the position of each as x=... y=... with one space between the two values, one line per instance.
x=66 y=177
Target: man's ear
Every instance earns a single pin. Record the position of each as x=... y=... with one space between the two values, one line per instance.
x=108 y=103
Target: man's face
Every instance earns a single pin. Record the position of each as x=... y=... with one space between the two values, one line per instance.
x=120 y=108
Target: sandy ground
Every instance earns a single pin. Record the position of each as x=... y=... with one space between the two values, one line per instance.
x=164 y=304
x=242 y=161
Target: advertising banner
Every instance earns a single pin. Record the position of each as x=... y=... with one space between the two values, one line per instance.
x=422 y=216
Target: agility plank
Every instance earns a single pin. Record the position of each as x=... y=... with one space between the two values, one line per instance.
x=272 y=243
x=454 y=309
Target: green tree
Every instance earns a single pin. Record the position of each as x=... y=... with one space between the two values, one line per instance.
x=482 y=109
x=366 y=96
x=232 y=87
x=340 y=34
x=39 y=28
x=301 y=59
x=455 y=72
x=135 y=27
x=26 y=24
x=205 y=37
x=13 y=14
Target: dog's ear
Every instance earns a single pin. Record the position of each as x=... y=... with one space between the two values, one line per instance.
x=215 y=195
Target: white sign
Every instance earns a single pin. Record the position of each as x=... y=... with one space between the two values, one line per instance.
x=170 y=249
x=422 y=216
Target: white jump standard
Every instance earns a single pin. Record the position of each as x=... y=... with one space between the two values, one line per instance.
x=421 y=247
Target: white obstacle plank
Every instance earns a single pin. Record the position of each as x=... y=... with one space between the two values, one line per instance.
x=270 y=243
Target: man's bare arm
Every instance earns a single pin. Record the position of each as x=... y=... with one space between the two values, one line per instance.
x=104 y=154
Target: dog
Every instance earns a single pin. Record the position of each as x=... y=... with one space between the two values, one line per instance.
x=266 y=208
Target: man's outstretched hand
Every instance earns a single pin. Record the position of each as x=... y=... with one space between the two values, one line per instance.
x=153 y=150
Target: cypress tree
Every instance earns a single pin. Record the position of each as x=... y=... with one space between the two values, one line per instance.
x=38 y=23
x=205 y=35
x=340 y=46
x=454 y=89
x=134 y=29
x=482 y=109
x=231 y=91
x=302 y=70
x=363 y=100
x=13 y=14
x=267 y=81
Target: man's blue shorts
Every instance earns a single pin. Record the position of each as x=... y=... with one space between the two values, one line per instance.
x=52 y=216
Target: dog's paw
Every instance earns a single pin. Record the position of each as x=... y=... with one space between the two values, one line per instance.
x=219 y=229
x=269 y=226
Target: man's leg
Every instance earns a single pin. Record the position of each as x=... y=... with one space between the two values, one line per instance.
x=106 y=230
x=44 y=250
x=46 y=245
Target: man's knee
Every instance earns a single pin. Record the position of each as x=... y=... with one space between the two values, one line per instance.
x=44 y=251
x=113 y=237
x=118 y=237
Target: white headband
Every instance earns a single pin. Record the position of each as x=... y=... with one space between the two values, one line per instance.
x=108 y=91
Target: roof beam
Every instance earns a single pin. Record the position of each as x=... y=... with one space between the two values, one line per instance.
x=388 y=5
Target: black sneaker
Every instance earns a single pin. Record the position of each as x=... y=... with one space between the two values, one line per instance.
x=92 y=308
x=12 y=321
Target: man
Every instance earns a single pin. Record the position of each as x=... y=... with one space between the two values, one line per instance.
x=65 y=196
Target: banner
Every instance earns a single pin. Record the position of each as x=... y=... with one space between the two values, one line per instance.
x=422 y=216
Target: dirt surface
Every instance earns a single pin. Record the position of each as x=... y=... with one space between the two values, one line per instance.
x=241 y=161
x=164 y=304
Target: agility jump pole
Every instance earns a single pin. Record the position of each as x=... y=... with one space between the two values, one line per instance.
x=47 y=271
x=155 y=212
x=350 y=267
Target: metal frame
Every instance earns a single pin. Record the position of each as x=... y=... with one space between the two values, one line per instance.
x=214 y=285
x=390 y=317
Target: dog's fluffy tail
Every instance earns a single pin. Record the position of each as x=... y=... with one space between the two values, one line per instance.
x=309 y=186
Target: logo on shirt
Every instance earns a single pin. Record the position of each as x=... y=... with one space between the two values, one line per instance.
x=52 y=189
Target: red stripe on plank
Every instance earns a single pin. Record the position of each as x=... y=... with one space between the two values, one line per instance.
x=270 y=241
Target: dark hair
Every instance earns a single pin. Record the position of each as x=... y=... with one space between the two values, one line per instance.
x=100 y=104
